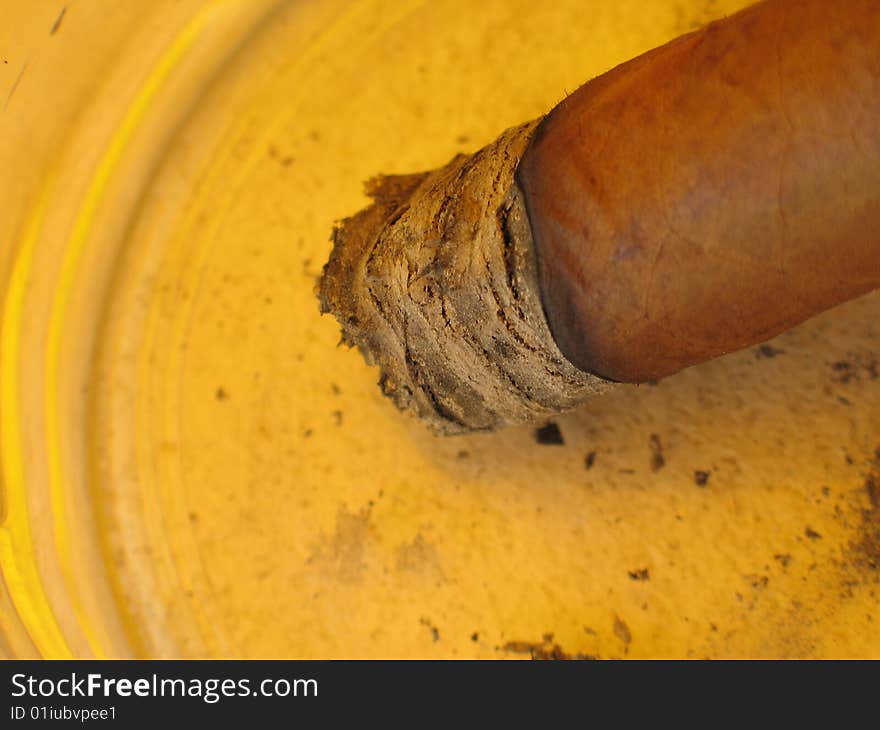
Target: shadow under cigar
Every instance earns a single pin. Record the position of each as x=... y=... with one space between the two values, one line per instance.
x=805 y=397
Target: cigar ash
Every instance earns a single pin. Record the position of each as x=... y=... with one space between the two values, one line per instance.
x=436 y=283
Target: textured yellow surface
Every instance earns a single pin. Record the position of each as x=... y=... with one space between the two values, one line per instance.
x=193 y=468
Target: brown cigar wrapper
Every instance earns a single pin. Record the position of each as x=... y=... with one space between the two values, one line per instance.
x=697 y=200
x=711 y=193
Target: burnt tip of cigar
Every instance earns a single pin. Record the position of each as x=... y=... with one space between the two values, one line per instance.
x=435 y=283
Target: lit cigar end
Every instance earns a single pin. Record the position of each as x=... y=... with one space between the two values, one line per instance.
x=436 y=284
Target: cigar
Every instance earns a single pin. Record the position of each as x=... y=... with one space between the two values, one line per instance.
x=699 y=199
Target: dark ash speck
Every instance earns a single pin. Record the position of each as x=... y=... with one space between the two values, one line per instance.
x=549 y=435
